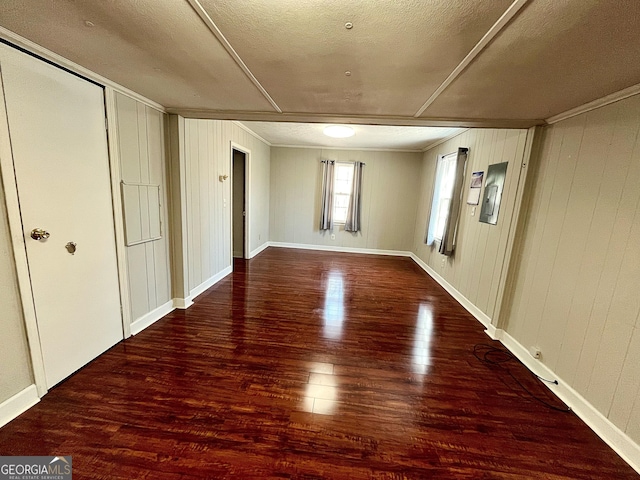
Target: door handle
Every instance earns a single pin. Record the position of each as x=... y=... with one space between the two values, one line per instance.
x=39 y=234
x=71 y=247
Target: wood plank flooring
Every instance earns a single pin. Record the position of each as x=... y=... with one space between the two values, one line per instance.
x=310 y=365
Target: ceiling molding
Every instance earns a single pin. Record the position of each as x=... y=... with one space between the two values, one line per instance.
x=442 y=140
x=600 y=102
x=511 y=12
x=202 y=13
x=352 y=149
x=48 y=55
x=354 y=119
x=251 y=132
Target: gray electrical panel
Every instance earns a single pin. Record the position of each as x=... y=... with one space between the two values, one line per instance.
x=494 y=184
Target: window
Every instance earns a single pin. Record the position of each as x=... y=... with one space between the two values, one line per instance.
x=342 y=191
x=442 y=196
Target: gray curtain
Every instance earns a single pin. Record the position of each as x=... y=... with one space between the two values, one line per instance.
x=352 y=223
x=448 y=244
x=326 y=212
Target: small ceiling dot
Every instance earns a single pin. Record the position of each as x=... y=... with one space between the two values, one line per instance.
x=347 y=73
x=89 y=24
x=348 y=25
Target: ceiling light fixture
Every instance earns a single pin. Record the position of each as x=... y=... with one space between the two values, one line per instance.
x=339 y=131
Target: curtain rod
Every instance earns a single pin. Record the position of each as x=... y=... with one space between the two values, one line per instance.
x=325 y=161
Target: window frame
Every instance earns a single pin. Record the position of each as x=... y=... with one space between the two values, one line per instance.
x=442 y=169
x=335 y=190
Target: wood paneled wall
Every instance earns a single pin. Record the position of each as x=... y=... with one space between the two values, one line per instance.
x=576 y=291
x=390 y=192
x=207 y=156
x=141 y=150
x=475 y=269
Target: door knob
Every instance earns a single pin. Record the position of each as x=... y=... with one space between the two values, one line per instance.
x=71 y=247
x=39 y=234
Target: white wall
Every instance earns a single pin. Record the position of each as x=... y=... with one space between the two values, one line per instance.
x=475 y=269
x=207 y=154
x=576 y=285
x=141 y=153
x=15 y=363
x=390 y=192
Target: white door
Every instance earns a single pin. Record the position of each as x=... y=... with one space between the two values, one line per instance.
x=58 y=139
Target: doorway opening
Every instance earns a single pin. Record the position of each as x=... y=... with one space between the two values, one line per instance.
x=239 y=203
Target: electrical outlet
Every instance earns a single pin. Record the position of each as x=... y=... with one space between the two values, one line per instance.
x=535 y=352
x=333 y=236
x=444 y=262
x=473 y=211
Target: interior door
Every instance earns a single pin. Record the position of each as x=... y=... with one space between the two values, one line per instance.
x=59 y=145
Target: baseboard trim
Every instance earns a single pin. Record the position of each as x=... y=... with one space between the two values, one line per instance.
x=482 y=317
x=18 y=404
x=152 y=317
x=329 y=248
x=619 y=441
x=209 y=283
x=182 y=303
x=260 y=249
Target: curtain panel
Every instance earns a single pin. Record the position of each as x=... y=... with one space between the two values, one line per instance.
x=326 y=211
x=355 y=200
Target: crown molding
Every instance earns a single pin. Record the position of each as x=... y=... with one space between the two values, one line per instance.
x=34 y=49
x=250 y=132
x=600 y=102
x=352 y=149
x=495 y=29
x=442 y=140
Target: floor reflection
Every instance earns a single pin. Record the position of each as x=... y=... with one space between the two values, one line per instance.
x=321 y=393
x=334 y=306
x=238 y=302
x=421 y=355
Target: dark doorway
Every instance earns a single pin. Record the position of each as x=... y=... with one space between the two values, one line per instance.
x=239 y=205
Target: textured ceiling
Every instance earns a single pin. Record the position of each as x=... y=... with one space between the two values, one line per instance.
x=554 y=56
x=366 y=136
x=398 y=52
x=493 y=63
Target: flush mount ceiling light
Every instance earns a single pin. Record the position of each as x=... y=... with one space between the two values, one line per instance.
x=339 y=131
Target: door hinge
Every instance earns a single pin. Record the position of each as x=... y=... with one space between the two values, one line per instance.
x=106 y=123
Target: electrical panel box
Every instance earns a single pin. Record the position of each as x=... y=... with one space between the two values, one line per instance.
x=496 y=174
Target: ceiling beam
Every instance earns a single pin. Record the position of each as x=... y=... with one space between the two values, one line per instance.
x=202 y=13
x=355 y=119
x=511 y=12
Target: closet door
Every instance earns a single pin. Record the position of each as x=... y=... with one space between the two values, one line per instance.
x=58 y=141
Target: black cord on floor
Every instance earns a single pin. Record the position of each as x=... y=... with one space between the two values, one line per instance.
x=497 y=358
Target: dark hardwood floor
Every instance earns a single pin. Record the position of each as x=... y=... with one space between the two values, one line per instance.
x=311 y=365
